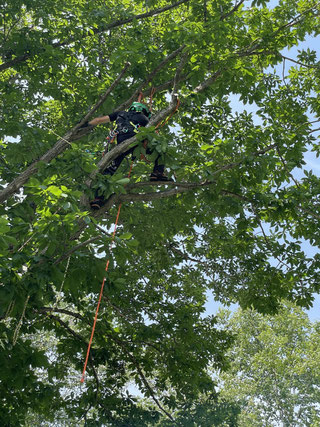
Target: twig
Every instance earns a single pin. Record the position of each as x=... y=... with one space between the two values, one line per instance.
x=58 y=298
x=18 y=327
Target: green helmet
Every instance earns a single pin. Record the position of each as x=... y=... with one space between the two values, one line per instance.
x=140 y=108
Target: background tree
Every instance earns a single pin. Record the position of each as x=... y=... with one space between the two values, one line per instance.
x=233 y=222
x=274 y=375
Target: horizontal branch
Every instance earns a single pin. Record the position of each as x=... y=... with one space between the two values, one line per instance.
x=300 y=63
x=61 y=310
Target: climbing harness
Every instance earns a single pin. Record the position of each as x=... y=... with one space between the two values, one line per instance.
x=109 y=140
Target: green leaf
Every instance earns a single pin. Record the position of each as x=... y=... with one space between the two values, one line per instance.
x=125 y=236
x=4 y=225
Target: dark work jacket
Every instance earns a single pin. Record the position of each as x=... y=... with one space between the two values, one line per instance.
x=127 y=123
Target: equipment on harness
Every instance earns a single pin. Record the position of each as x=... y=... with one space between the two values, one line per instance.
x=109 y=140
x=140 y=108
x=125 y=123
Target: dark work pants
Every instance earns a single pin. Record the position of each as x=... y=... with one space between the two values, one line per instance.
x=111 y=169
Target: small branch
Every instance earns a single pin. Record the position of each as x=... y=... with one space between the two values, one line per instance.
x=208 y=82
x=300 y=63
x=286 y=167
x=75 y=248
x=101 y=230
x=61 y=310
x=127 y=317
x=186 y=257
x=236 y=7
x=314 y=130
x=234 y=164
x=265 y=237
x=105 y=95
x=26 y=242
x=180 y=67
x=309 y=212
x=296 y=20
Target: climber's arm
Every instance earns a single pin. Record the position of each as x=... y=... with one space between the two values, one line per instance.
x=99 y=120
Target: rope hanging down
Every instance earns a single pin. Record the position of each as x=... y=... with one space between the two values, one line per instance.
x=102 y=286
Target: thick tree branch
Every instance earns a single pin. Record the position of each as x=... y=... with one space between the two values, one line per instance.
x=180 y=187
x=59 y=146
x=95 y=31
x=208 y=82
x=121 y=148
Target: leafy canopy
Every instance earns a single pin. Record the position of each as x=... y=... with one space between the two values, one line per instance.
x=233 y=222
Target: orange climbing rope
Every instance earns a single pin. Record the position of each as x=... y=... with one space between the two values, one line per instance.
x=102 y=286
x=140 y=97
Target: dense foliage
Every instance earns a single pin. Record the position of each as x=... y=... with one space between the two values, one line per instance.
x=233 y=222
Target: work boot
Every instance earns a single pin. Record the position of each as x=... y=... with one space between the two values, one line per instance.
x=97 y=203
x=159 y=177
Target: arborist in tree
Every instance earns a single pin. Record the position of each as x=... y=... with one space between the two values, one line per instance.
x=127 y=125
